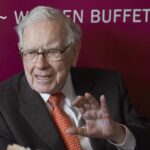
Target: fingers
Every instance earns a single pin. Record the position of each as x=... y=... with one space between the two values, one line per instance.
x=92 y=101
x=103 y=104
x=86 y=102
x=89 y=130
x=81 y=104
x=79 y=101
x=90 y=108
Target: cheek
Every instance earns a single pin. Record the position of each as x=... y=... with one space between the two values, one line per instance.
x=62 y=72
x=28 y=68
x=71 y=58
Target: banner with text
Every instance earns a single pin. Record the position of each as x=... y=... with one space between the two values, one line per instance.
x=116 y=35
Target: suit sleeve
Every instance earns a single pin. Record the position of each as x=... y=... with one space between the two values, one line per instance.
x=138 y=125
x=5 y=134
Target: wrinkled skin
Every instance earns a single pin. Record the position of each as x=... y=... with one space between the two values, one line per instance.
x=47 y=76
x=99 y=122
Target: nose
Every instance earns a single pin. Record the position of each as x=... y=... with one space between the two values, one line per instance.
x=41 y=62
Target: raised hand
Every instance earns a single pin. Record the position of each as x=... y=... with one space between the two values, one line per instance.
x=99 y=123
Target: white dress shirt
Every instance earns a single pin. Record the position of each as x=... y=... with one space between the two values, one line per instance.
x=75 y=116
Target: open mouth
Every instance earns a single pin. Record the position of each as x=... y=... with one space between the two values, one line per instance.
x=43 y=78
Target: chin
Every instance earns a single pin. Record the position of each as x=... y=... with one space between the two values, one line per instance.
x=42 y=90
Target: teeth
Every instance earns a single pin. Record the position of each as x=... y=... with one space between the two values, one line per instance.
x=42 y=77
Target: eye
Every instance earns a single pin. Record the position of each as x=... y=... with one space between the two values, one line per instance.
x=29 y=53
x=53 y=53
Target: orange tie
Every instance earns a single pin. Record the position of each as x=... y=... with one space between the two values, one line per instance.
x=63 y=122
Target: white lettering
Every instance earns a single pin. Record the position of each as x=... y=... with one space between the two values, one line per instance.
x=3 y=17
x=20 y=16
x=135 y=15
x=146 y=14
x=78 y=16
x=125 y=15
x=95 y=16
x=104 y=16
x=65 y=12
x=116 y=15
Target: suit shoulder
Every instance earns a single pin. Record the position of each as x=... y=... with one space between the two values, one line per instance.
x=98 y=76
x=100 y=72
x=10 y=86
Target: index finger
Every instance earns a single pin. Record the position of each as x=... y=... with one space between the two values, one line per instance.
x=104 y=106
x=79 y=101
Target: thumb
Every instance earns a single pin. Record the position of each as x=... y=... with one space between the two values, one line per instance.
x=77 y=131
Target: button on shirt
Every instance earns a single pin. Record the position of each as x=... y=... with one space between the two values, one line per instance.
x=75 y=116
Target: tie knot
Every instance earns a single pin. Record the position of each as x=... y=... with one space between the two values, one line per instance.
x=55 y=99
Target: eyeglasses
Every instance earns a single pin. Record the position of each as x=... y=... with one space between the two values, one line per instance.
x=50 y=55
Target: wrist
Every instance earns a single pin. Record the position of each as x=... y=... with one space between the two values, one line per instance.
x=119 y=134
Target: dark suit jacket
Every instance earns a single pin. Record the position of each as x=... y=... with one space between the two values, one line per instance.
x=25 y=120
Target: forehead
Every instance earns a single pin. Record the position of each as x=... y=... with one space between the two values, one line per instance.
x=41 y=34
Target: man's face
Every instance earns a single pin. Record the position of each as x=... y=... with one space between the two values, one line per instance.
x=46 y=76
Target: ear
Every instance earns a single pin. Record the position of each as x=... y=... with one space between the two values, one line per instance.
x=76 y=50
x=19 y=46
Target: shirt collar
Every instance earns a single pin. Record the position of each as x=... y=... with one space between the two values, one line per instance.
x=67 y=90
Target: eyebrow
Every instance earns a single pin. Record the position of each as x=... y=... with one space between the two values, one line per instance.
x=55 y=45
x=35 y=49
x=51 y=48
x=47 y=47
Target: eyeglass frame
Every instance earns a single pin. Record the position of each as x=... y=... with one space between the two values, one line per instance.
x=45 y=52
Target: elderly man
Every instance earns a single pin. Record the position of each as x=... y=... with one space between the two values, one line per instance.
x=55 y=106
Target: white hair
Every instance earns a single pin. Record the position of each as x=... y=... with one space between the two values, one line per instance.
x=49 y=13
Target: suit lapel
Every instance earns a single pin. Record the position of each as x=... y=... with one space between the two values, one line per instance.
x=39 y=118
x=35 y=112
x=83 y=82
